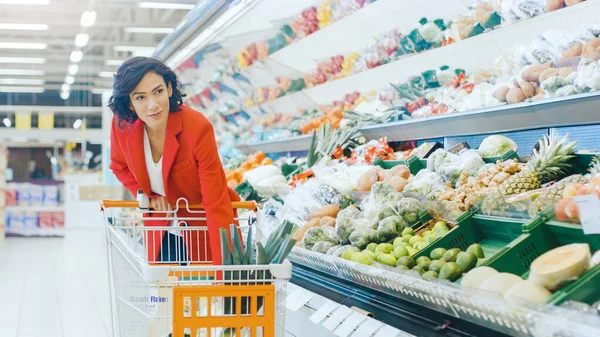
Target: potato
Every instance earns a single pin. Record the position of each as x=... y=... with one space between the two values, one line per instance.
x=566 y=71
x=368 y=179
x=397 y=182
x=590 y=49
x=299 y=234
x=538 y=90
x=527 y=88
x=500 y=93
x=574 y=51
x=515 y=95
x=329 y=210
x=328 y=221
x=532 y=74
x=516 y=83
x=384 y=175
x=554 y=5
x=547 y=74
x=482 y=76
x=573 y=2
x=483 y=11
x=401 y=171
x=538 y=97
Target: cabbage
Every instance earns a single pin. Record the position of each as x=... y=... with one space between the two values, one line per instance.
x=495 y=146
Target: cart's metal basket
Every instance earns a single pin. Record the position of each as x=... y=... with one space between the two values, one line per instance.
x=174 y=290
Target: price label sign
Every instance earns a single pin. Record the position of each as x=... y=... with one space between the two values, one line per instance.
x=589 y=212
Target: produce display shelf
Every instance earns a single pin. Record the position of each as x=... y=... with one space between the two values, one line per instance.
x=59 y=208
x=580 y=109
x=386 y=307
x=298 y=143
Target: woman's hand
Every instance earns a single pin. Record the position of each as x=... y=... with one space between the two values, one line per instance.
x=160 y=204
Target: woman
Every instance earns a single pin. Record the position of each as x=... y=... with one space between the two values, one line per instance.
x=168 y=151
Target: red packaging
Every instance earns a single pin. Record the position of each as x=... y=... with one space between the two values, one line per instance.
x=46 y=219
x=58 y=220
x=11 y=197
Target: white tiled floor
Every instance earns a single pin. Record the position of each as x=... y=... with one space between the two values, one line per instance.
x=52 y=287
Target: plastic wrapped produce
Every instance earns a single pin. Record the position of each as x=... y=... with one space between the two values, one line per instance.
x=323 y=246
x=361 y=237
x=409 y=209
x=345 y=222
x=332 y=250
x=517 y=10
x=340 y=251
x=320 y=233
x=390 y=227
x=588 y=75
x=426 y=182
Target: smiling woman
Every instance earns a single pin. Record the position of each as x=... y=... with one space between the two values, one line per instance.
x=168 y=151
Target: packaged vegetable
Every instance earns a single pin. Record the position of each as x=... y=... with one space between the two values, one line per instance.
x=340 y=251
x=329 y=211
x=409 y=209
x=323 y=246
x=319 y=233
x=299 y=233
x=389 y=227
x=496 y=145
x=346 y=223
x=332 y=250
x=361 y=237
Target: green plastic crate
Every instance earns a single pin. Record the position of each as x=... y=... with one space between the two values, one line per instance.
x=493 y=234
x=414 y=164
x=582 y=161
x=510 y=154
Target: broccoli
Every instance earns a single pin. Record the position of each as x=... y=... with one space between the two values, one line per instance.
x=323 y=246
x=380 y=191
x=409 y=208
x=331 y=250
x=361 y=237
x=344 y=223
x=386 y=210
x=388 y=227
x=393 y=197
x=316 y=234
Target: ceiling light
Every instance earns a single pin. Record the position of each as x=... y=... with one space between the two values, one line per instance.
x=65 y=87
x=149 y=30
x=22 y=26
x=108 y=74
x=25 y=2
x=81 y=40
x=7 y=122
x=69 y=79
x=114 y=62
x=21 y=81
x=22 y=72
x=23 y=89
x=76 y=56
x=30 y=60
x=99 y=91
x=77 y=124
x=133 y=48
x=73 y=69
x=22 y=45
x=88 y=18
x=166 y=5
x=65 y=95
x=19 y=139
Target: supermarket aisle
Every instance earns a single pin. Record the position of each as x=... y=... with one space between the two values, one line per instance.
x=53 y=287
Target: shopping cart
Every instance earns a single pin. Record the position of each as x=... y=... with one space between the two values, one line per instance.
x=181 y=297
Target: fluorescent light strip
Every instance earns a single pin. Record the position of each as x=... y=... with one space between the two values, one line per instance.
x=23 y=26
x=65 y=95
x=22 y=72
x=22 y=45
x=149 y=30
x=114 y=62
x=99 y=91
x=166 y=5
x=132 y=48
x=69 y=79
x=25 y=2
x=108 y=74
x=73 y=69
x=21 y=81
x=34 y=60
x=81 y=40
x=88 y=18
x=35 y=90
x=76 y=56
x=65 y=87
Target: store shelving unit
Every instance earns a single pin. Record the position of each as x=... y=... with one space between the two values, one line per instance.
x=3 y=165
x=409 y=303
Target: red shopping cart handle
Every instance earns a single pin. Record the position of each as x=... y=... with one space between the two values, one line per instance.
x=251 y=205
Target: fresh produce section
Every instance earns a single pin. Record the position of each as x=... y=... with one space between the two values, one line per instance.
x=440 y=162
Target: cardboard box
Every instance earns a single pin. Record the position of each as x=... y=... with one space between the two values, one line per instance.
x=101 y=192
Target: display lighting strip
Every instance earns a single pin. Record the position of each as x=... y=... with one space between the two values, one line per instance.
x=36 y=90
x=23 y=45
x=23 y=26
x=21 y=81
x=88 y=19
x=149 y=30
x=26 y=60
x=22 y=72
x=24 y=2
x=166 y=5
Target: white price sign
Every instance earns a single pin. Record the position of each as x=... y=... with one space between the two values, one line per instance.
x=589 y=212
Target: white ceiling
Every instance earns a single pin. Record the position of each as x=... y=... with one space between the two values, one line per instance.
x=63 y=20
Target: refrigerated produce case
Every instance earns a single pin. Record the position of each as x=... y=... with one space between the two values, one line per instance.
x=226 y=81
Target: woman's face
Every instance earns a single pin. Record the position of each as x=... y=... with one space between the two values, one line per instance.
x=150 y=100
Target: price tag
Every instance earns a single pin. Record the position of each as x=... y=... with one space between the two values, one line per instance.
x=337 y=317
x=323 y=311
x=589 y=213
x=367 y=328
x=301 y=301
x=387 y=331
x=349 y=324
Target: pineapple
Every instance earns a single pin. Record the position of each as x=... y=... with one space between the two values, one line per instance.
x=595 y=167
x=548 y=163
x=554 y=193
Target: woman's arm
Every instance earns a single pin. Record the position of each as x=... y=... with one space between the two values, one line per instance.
x=213 y=186
x=118 y=165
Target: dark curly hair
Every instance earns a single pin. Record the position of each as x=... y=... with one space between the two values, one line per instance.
x=129 y=74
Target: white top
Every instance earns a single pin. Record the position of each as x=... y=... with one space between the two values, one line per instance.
x=155 y=173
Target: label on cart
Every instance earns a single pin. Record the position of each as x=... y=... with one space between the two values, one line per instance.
x=337 y=317
x=323 y=312
x=589 y=212
x=349 y=324
x=367 y=328
x=387 y=331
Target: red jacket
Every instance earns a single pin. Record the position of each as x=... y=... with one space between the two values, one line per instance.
x=191 y=169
